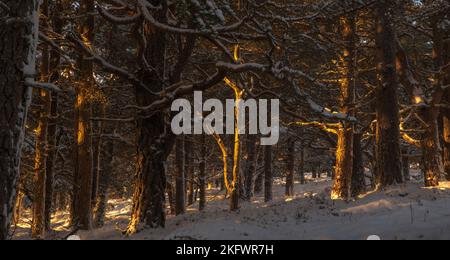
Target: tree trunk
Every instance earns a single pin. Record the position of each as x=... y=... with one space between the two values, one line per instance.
x=432 y=151
x=55 y=60
x=289 y=189
x=18 y=45
x=189 y=171
x=302 y=160
x=40 y=174
x=202 y=174
x=446 y=112
x=180 y=181
x=406 y=165
x=236 y=170
x=250 y=167
x=154 y=138
x=447 y=140
x=259 y=179
x=18 y=207
x=105 y=171
x=268 y=175
x=358 y=177
x=82 y=194
x=431 y=143
x=171 y=197
x=344 y=150
x=98 y=110
x=388 y=155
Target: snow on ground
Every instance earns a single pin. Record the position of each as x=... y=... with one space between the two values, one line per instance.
x=401 y=212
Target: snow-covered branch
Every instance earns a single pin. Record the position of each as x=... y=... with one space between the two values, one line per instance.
x=108 y=66
x=143 y=5
x=41 y=85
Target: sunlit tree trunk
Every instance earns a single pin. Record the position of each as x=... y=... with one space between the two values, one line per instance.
x=344 y=150
x=17 y=65
x=154 y=138
x=446 y=100
x=432 y=150
x=18 y=207
x=388 y=157
x=446 y=133
x=431 y=144
x=40 y=168
x=446 y=112
x=82 y=194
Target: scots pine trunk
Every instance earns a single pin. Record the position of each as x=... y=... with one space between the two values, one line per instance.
x=388 y=157
x=18 y=44
x=406 y=165
x=446 y=127
x=289 y=189
x=154 y=138
x=259 y=179
x=55 y=60
x=268 y=174
x=250 y=167
x=433 y=163
x=432 y=151
x=302 y=160
x=82 y=191
x=344 y=150
x=358 y=178
x=180 y=182
x=446 y=100
x=202 y=174
x=40 y=158
x=189 y=175
x=105 y=170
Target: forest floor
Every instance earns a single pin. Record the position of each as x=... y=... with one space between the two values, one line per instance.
x=402 y=212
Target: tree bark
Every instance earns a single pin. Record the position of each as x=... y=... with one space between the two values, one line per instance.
x=388 y=155
x=202 y=174
x=268 y=175
x=358 y=177
x=446 y=112
x=446 y=133
x=55 y=60
x=82 y=194
x=180 y=181
x=18 y=46
x=40 y=158
x=289 y=189
x=406 y=165
x=189 y=178
x=105 y=171
x=431 y=143
x=432 y=151
x=154 y=138
x=344 y=151
x=250 y=167
x=302 y=160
